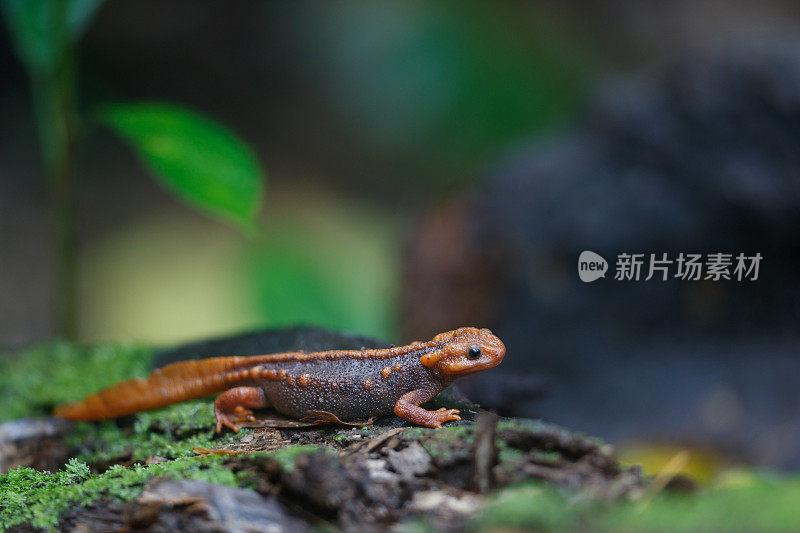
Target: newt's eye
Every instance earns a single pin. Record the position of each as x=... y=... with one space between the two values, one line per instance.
x=474 y=352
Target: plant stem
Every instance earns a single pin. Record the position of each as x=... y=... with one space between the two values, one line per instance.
x=53 y=95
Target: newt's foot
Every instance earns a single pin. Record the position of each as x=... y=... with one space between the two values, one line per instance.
x=230 y=410
x=408 y=408
x=439 y=417
x=231 y=420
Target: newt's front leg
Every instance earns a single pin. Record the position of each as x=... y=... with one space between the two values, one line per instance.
x=408 y=408
x=233 y=406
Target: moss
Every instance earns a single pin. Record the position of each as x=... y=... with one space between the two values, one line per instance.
x=455 y=441
x=763 y=503
x=181 y=418
x=415 y=525
x=530 y=506
x=345 y=437
x=446 y=445
x=39 y=497
x=510 y=459
x=171 y=432
x=34 y=380
x=27 y=495
x=447 y=432
x=760 y=503
x=547 y=458
x=286 y=457
x=539 y=426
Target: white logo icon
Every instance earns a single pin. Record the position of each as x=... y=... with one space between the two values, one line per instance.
x=591 y=266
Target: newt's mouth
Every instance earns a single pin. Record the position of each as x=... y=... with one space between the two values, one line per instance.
x=465 y=368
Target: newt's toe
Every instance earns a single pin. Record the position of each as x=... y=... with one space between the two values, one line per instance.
x=441 y=416
x=223 y=420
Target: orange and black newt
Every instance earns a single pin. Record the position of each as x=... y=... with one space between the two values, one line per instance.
x=346 y=384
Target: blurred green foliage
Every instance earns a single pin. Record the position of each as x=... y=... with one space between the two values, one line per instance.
x=335 y=272
x=200 y=161
x=195 y=158
x=438 y=88
x=755 y=502
x=431 y=90
x=318 y=259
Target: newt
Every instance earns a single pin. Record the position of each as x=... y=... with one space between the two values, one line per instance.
x=344 y=384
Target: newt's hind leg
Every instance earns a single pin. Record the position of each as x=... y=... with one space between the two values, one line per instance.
x=233 y=406
x=408 y=408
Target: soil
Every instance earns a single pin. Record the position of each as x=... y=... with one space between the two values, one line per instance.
x=363 y=478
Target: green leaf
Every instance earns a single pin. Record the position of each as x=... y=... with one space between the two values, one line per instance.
x=199 y=160
x=43 y=29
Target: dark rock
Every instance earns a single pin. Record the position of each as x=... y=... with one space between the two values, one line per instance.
x=102 y=515
x=189 y=505
x=407 y=473
x=322 y=481
x=412 y=461
x=185 y=505
x=33 y=442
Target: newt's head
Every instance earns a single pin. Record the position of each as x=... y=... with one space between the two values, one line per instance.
x=464 y=351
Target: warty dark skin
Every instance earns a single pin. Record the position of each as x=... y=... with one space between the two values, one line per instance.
x=336 y=385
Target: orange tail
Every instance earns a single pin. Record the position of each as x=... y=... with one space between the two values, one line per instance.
x=171 y=384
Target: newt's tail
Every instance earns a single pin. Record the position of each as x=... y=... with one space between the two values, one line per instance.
x=173 y=383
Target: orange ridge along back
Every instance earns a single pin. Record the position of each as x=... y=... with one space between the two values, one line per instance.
x=173 y=383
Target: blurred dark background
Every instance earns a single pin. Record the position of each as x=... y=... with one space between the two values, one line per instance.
x=432 y=165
